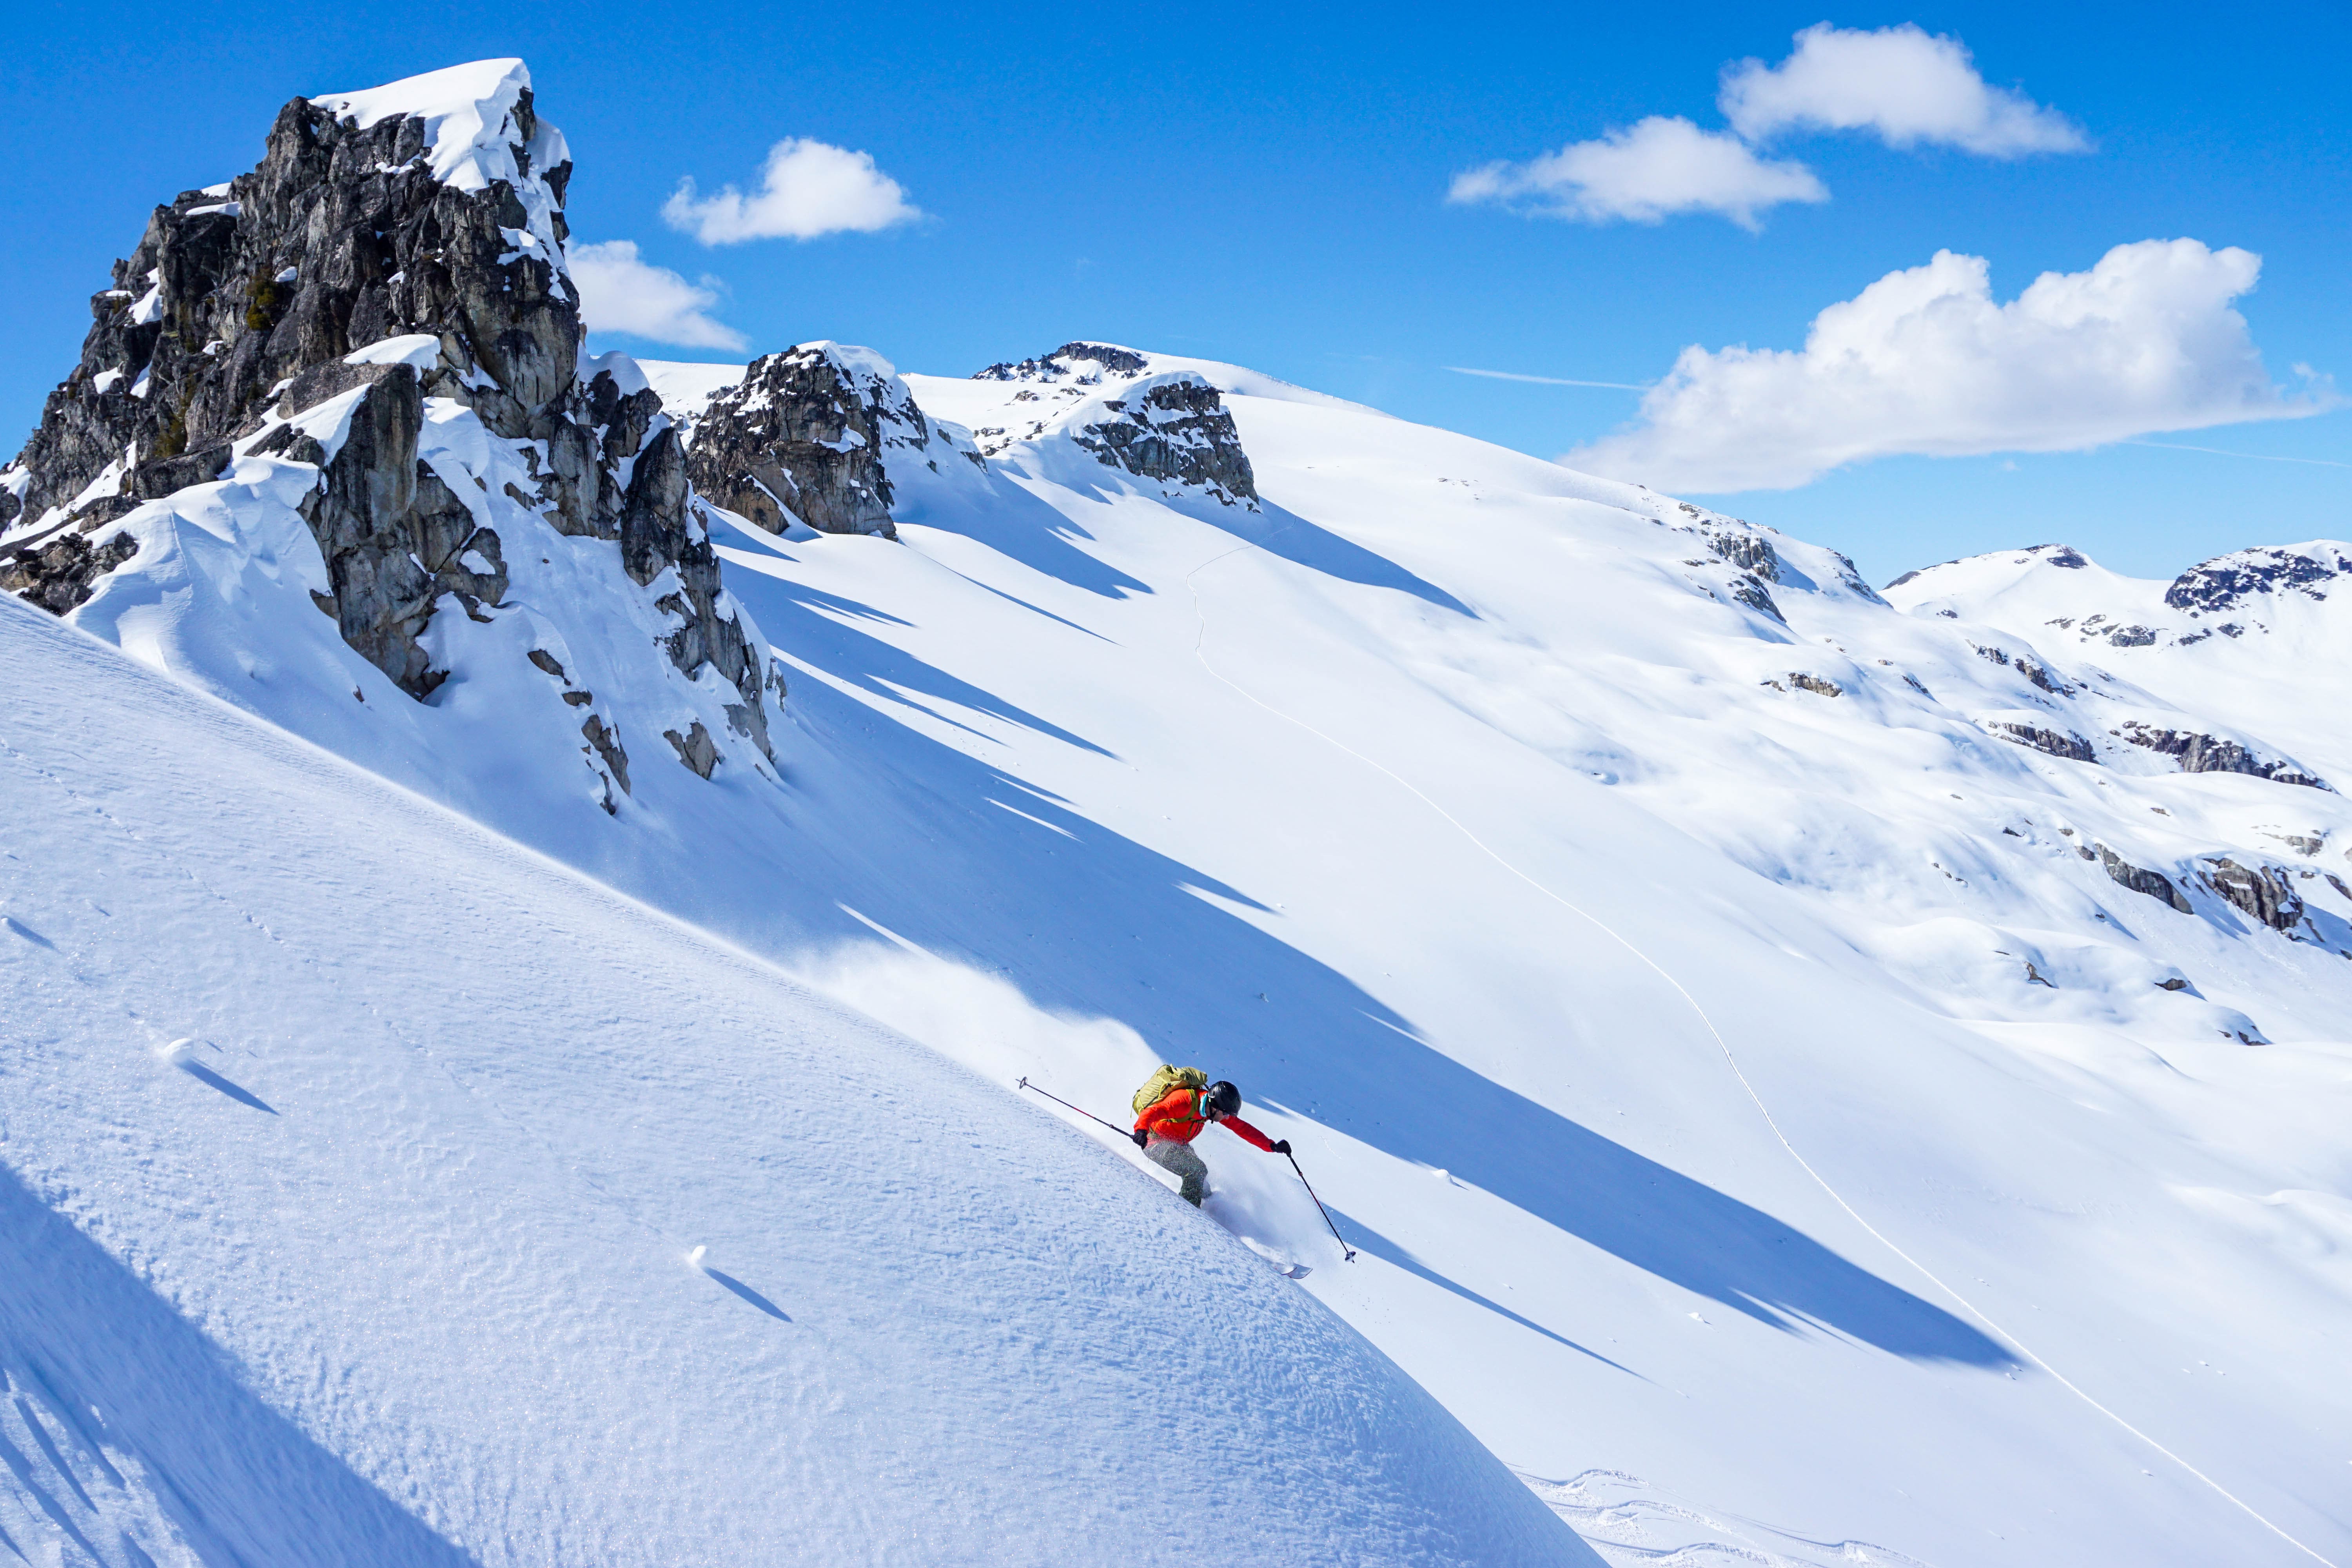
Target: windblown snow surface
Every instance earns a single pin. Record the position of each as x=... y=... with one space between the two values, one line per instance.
x=378 y=1191
x=1695 y=984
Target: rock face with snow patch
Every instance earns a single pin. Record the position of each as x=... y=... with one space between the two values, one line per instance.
x=392 y=271
x=1173 y=429
x=1083 y=362
x=806 y=436
x=2200 y=754
x=2261 y=891
x=2140 y=879
x=2229 y=582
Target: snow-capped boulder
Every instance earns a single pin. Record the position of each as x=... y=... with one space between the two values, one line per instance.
x=810 y=435
x=376 y=328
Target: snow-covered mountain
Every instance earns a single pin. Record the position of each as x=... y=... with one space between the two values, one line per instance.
x=1812 y=1078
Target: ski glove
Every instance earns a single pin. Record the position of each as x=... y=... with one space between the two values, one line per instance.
x=1140 y=1137
x=1281 y=1147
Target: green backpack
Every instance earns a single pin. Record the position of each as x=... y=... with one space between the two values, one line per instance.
x=1157 y=1086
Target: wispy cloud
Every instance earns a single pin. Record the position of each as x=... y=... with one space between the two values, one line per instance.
x=620 y=292
x=1659 y=168
x=808 y=188
x=1924 y=360
x=1544 y=380
x=2257 y=456
x=1903 y=84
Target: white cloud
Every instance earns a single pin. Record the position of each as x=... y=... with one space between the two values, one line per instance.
x=1901 y=83
x=809 y=188
x=1924 y=361
x=620 y=293
x=1660 y=167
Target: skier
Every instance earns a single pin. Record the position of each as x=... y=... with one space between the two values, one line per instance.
x=1171 y=1109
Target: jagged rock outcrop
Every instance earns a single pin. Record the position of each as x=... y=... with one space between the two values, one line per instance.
x=1173 y=429
x=2140 y=879
x=2200 y=754
x=396 y=255
x=2228 y=582
x=2034 y=673
x=1082 y=362
x=808 y=436
x=2261 y=892
x=1751 y=553
x=2057 y=742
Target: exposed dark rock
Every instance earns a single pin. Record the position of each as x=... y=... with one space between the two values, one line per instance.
x=2132 y=637
x=153 y=481
x=1176 y=431
x=2139 y=880
x=57 y=569
x=2229 y=582
x=2208 y=755
x=2261 y=891
x=2033 y=672
x=607 y=743
x=1913 y=575
x=2057 y=742
x=2172 y=982
x=1750 y=553
x=221 y=320
x=800 y=438
x=394 y=537
x=1752 y=594
x=1818 y=685
x=694 y=748
x=1082 y=361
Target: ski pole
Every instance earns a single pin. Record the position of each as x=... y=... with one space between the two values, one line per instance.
x=1320 y=1209
x=1084 y=1112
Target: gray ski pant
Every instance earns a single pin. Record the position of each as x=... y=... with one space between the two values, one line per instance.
x=1179 y=1161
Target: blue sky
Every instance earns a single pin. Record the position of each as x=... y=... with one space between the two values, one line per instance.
x=1270 y=185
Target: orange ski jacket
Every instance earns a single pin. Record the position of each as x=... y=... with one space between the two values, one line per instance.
x=1180 y=1114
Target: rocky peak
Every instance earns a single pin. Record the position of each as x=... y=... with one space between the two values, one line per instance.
x=2231 y=582
x=388 y=276
x=808 y=436
x=1085 y=364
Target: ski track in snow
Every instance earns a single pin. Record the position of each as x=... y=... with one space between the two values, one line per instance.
x=1199 y=652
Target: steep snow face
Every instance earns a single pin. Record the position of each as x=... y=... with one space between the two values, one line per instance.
x=1705 y=1023
x=376 y=1193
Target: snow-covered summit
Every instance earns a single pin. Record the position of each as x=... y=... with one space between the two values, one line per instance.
x=476 y=120
x=1092 y=363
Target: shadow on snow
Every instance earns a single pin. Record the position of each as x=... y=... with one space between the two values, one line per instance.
x=1088 y=922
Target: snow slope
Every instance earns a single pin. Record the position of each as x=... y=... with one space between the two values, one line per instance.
x=1738 y=1092
x=1732 y=1015
x=378 y=1191
x=2258 y=636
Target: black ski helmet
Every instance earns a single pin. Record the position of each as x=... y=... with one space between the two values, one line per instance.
x=1224 y=1099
